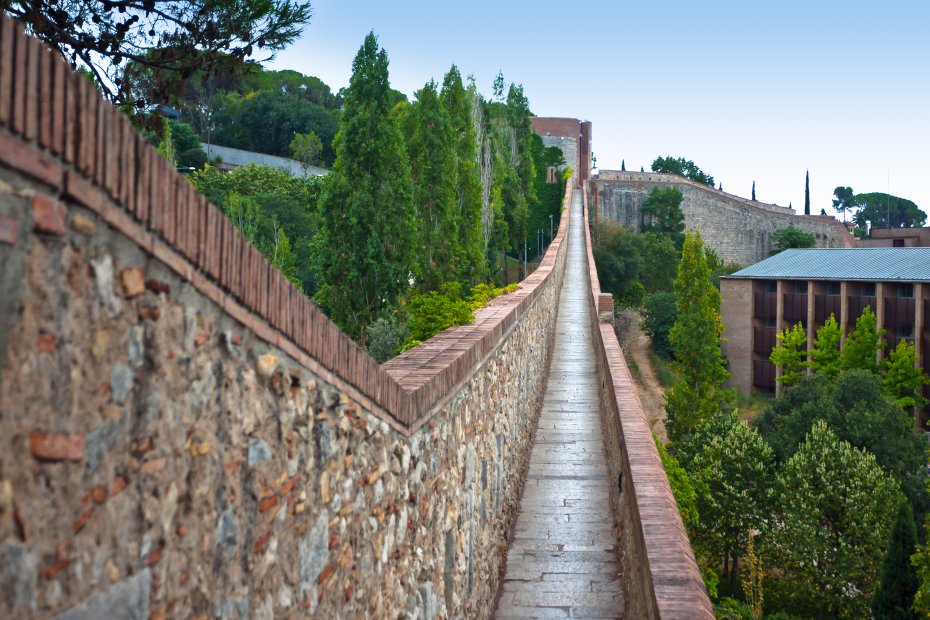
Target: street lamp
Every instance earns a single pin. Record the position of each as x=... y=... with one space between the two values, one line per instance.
x=550 y=228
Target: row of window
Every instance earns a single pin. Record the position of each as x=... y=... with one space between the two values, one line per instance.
x=901 y=331
x=866 y=289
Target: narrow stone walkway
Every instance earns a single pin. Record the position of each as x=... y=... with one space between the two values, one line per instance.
x=562 y=562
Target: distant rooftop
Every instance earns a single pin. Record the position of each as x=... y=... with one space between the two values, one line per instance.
x=870 y=264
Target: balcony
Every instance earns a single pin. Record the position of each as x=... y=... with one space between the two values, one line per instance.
x=763 y=340
x=857 y=305
x=763 y=375
x=824 y=306
x=899 y=311
x=763 y=305
x=795 y=308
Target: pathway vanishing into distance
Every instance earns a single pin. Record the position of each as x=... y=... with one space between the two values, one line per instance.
x=562 y=563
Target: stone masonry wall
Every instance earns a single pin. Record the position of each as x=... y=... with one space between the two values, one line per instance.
x=660 y=577
x=738 y=230
x=184 y=435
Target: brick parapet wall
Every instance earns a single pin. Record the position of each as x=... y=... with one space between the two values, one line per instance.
x=186 y=435
x=739 y=230
x=661 y=578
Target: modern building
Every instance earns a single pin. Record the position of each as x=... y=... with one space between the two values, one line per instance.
x=807 y=286
x=896 y=238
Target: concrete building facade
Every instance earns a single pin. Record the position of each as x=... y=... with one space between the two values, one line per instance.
x=807 y=286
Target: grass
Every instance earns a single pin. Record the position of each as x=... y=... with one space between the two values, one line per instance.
x=664 y=372
x=751 y=407
x=634 y=370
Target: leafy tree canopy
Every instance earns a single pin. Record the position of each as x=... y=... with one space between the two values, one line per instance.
x=790 y=354
x=878 y=207
x=791 y=237
x=682 y=167
x=825 y=354
x=863 y=343
x=659 y=314
x=661 y=213
x=167 y=40
x=895 y=595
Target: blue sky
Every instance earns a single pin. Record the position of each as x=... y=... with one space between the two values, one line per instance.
x=747 y=90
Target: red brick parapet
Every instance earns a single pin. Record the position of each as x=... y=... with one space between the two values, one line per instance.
x=661 y=578
x=56 y=129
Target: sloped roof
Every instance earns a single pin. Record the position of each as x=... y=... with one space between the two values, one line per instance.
x=870 y=264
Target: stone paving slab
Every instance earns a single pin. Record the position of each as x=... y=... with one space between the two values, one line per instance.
x=562 y=562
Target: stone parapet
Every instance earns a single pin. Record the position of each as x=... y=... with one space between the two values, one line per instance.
x=185 y=435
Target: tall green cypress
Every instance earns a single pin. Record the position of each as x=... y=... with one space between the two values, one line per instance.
x=459 y=104
x=753 y=191
x=431 y=147
x=898 y=584
x=368 y=228
x=807 y=192
x=695 y=338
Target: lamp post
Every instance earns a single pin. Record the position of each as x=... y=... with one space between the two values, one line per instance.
x=550 y=228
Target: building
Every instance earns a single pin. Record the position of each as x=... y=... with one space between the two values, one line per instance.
x=896 y=238
x=807 y=286
x=572 y=136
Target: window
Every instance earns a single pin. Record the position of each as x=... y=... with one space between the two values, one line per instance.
x=868 y=289
x=770 y=321
x=771 y=286
x=905 y=332
x=800 y=288
x=833 y=289
x=897 y=243
x=906 y=289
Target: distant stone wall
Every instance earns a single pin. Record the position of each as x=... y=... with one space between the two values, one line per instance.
x=739 y=230
x=237 y=157
x=185 y=435
x=661 y=578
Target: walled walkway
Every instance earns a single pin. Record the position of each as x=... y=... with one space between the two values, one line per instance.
x=562 y=562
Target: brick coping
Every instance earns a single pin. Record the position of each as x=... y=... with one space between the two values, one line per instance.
x=56 y=129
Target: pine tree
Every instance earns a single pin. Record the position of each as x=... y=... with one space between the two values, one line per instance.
x=753 y=191
x=825 y=356
x=903 y=379
x=470 y=263
x=790 y=354
x=695 y=338
x=807 y=193
x=368 y=227
x=863 y=344
x=898 y=585
x=431 y=147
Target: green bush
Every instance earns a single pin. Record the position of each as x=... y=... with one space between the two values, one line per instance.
x=386 y=336
x=435 y=311
x=659 y=314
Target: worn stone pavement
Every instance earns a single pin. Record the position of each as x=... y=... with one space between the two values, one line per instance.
x=562 y=563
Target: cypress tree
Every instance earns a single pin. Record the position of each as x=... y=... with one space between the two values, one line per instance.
x=431 y=147
x=898 y=585
x=807 y=192
x=368 y=227
x=754 y=191
x=623 y=165
x=470 y=263
x=695 y=338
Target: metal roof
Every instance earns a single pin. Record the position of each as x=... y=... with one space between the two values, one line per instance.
x=870 y=264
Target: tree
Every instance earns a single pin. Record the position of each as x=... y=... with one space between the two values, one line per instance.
x=623 y=165
x=791 y=237
x=618 y=263
x=186 y=145
x=459 y=103
x=887 y=211
x=368 y=227
x=659 y=314
x=790 y=354
x=695 y=338
x=825 y=354
x=753 y=191
x=307 y=149
x=734 y=478
x=864 y=343
x=833 y=515
x=920 y=560
x=682 y=486
x=660 y=256
x=661 y=213
x=682 y=167
x=431 y=148
x=844 y=200
x=807 y=193
x=903 y=379
x=898 y=584
x=166 y=40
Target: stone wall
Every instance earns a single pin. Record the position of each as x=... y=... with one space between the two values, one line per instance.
x=738 y=230
x=185 y=435
x=660 y=577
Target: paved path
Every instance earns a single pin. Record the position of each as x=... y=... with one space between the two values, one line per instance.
x=562 y=562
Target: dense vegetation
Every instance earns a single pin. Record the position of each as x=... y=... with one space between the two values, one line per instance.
x=882 y=210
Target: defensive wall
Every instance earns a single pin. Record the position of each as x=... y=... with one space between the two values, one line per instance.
x=570 y=135
x=738 y=230
x=183 y=434
x=661 y=578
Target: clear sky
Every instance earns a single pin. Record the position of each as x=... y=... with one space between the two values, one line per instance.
x=747 y=90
